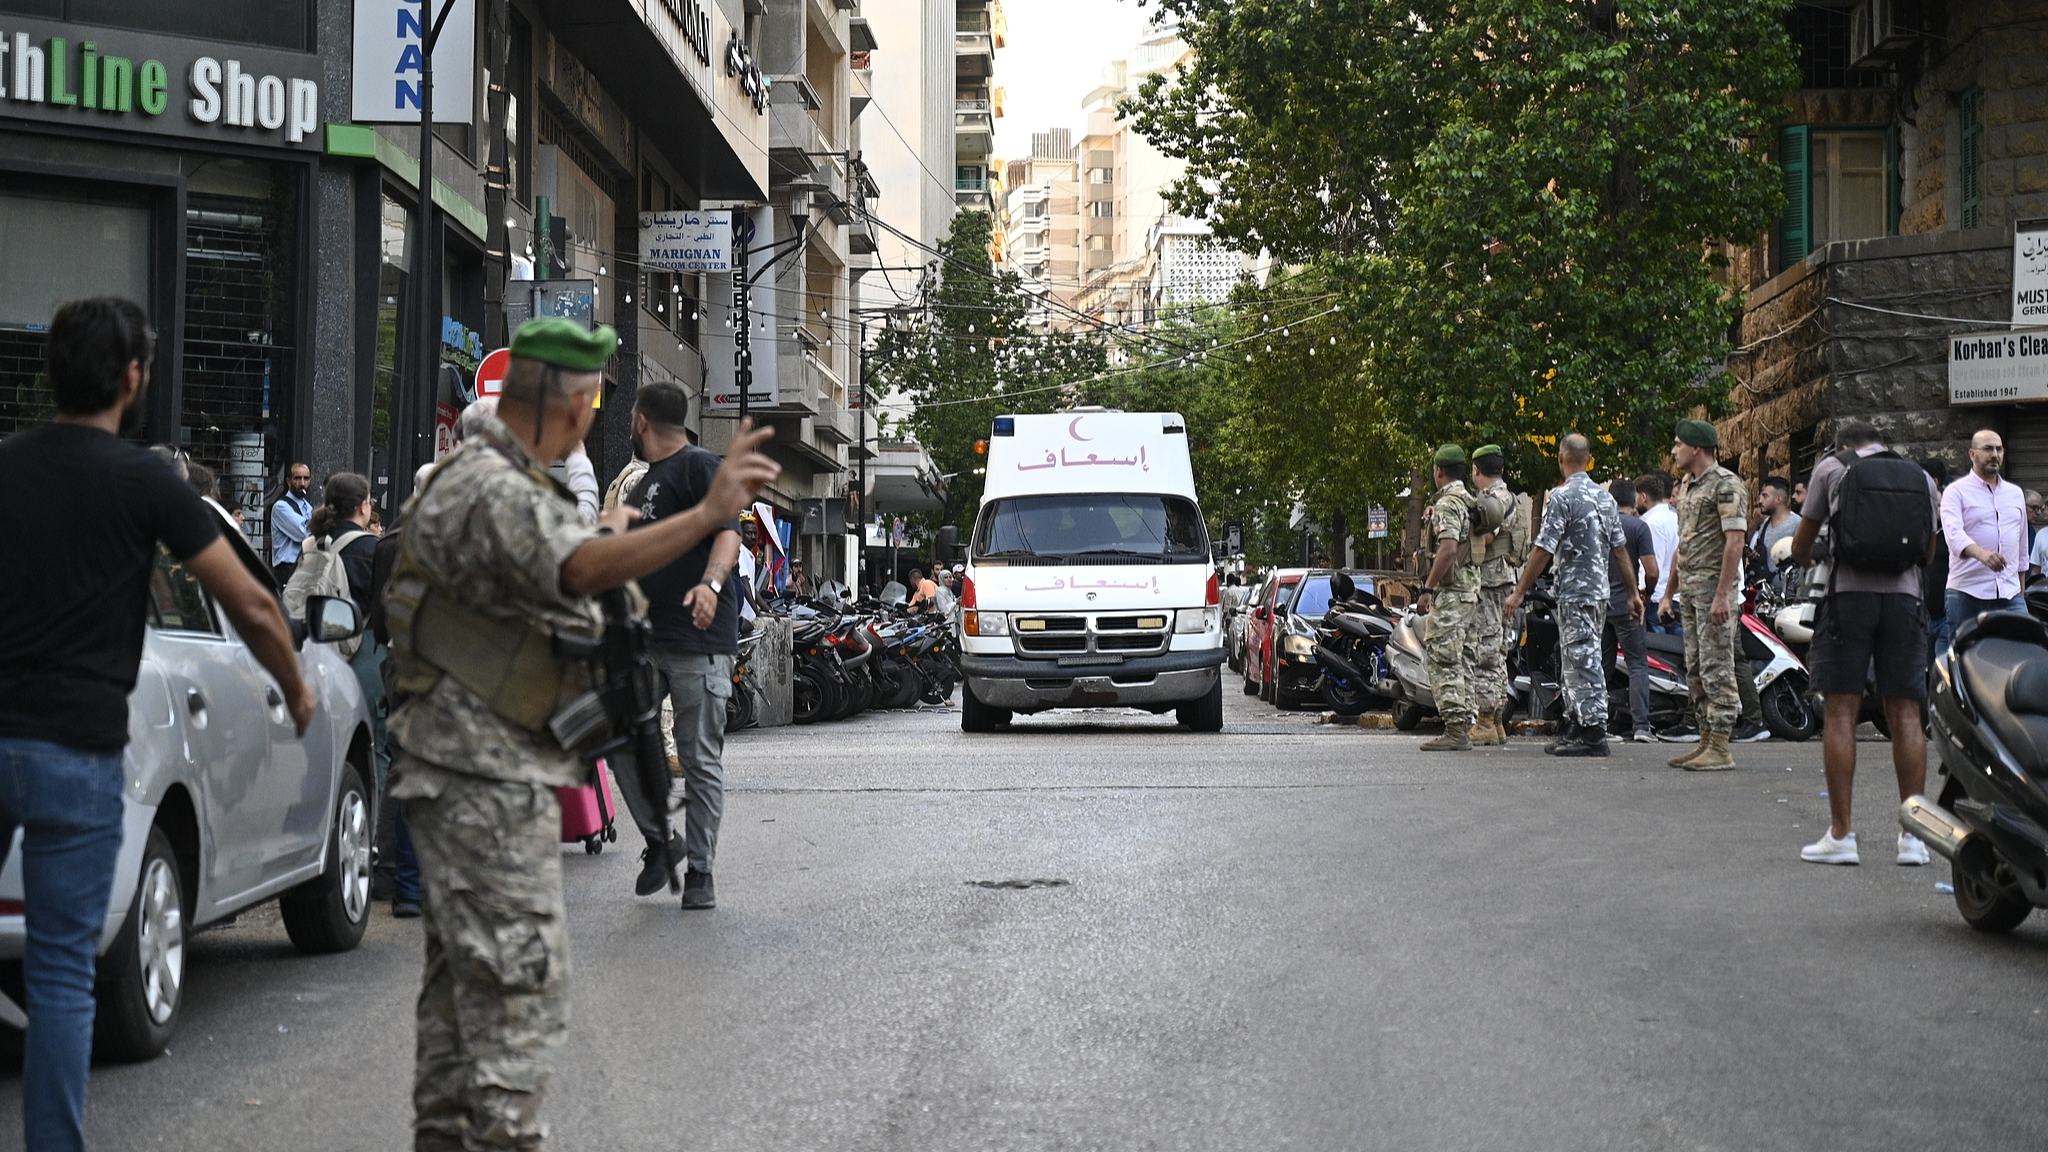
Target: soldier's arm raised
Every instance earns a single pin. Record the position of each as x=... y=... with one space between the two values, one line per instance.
x=609 y=561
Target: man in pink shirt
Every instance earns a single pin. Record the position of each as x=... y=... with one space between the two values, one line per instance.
x=1985 y=520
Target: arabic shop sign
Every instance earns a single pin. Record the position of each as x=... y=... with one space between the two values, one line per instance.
x=1998 y=367
x=2030 y=272
x=686 y=241
x=108 y=78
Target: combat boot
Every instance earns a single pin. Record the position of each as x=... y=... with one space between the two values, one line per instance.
x=1685 y=759
x=1454 y=739
x=1591 y=741
x=1713 y=754
x=1567 y=733
x=1487 y=732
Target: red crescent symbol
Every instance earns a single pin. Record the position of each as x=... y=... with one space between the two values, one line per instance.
x=1074 y=429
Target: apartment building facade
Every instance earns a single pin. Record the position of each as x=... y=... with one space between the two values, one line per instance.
x=1042 y=225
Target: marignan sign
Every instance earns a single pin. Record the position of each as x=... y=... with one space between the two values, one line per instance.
x=1998 y=367
x=686 y=241
x=106 y=77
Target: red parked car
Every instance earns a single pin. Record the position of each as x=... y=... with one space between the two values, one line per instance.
x=1276 y=592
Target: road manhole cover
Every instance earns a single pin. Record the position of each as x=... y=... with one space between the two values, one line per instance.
x=1017 y=884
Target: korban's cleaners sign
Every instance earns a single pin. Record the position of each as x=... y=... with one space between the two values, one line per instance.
x=1998 y=367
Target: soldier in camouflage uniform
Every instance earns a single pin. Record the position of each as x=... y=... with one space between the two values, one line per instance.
x=1450 y=599
x=1713 y=515
x=496 y=563
x=1582 y=531
x=1500 y=551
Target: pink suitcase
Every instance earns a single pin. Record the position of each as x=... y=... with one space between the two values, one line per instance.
x=587 y=811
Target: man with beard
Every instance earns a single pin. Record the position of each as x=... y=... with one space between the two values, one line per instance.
x=693 y=604
x=74 y=590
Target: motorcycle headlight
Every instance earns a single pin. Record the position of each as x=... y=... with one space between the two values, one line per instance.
x=986 y=624
x=1297 y=646
x=1196 y=620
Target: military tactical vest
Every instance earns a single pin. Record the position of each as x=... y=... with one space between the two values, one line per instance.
x=518 y=669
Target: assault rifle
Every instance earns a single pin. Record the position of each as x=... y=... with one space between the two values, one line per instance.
x=628 y=702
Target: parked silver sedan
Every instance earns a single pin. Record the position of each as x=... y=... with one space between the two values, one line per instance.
x=226 y=807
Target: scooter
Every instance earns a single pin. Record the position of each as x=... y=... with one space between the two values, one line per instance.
x=1989 y=717
x=1409 y=664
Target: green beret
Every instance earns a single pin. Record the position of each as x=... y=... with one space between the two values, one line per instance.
x=1487 y=450
x=565 y=343
x=1450 y=454
x=1698 y=433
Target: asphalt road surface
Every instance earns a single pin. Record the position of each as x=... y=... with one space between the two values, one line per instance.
x=1096 y=931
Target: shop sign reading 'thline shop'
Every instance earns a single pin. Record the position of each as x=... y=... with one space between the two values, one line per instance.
x=111 y=78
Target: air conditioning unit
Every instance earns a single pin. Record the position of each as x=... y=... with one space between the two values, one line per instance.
x=1881 y=31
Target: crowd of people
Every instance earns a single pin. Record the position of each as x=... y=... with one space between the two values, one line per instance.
x=1908 y=555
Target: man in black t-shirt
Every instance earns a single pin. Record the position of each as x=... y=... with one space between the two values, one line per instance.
x=74 y=588
x=693 y=605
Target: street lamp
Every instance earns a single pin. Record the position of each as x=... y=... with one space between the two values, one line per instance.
x=426 y=285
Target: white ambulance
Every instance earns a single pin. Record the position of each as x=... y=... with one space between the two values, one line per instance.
x=1089 y=582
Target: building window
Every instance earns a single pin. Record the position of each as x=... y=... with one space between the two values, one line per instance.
x=1099 y=176
x=1837 y=187
x=1848 y=186
x=969 y=178
x=1969 y=156
x=1102 y=208
x=1820 y=36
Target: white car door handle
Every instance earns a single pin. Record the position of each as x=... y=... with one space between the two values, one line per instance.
x=194 y=702
x=271 y=697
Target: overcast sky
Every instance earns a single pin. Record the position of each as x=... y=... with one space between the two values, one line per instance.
x=1054 y=56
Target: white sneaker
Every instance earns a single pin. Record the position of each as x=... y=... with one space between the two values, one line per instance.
x=1911 y=850
x=1828 y=850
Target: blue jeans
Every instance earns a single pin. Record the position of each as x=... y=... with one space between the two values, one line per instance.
x=68 y=802
x=1963 y=608
x=1941 y=632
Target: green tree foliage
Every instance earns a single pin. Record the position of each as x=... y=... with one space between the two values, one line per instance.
x=968 y=357
x=1519 y=199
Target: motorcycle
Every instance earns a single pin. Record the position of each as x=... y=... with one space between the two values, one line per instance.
x=1350 y=646
x=1989 y=717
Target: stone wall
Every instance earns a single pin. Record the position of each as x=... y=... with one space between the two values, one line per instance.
x=1999 y=47
x=1808 y=357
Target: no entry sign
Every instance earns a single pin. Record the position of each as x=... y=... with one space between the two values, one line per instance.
x=490 y=375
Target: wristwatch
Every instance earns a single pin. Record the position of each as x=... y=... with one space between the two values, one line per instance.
x=716 y=585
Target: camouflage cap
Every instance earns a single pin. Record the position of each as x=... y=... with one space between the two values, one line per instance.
x=565 y=343
x=1698 y=433
x=1450 y=454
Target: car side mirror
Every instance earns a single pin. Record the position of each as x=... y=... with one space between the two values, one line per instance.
x=1261 y=612
x=332 y=619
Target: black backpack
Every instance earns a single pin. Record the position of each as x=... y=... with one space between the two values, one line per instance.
x=1883 y=518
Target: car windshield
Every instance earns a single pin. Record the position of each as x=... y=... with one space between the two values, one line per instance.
x=1121 y=528
x=1311 y=597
